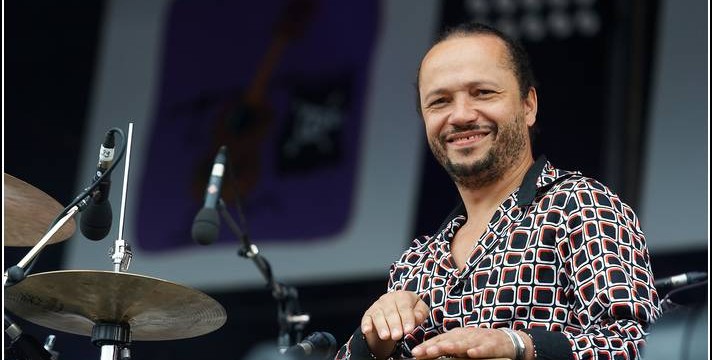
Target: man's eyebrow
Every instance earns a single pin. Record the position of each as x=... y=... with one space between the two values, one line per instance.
x=438 y=91
x=442 y=90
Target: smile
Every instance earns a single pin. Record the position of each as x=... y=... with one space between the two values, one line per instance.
x=466 y=138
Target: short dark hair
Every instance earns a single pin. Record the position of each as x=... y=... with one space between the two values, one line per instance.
x=518 y=60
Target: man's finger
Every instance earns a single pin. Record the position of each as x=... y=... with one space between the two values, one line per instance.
x=422 y=349
x=421 y=311
x=407 y=314
x=395 y=324
x=380 y=325
x=366 y=324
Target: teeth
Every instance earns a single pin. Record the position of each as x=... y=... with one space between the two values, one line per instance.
x=471 y=137
x=478 y=136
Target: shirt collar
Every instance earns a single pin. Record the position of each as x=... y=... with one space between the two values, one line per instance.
x=527 y=190
x=540 y=175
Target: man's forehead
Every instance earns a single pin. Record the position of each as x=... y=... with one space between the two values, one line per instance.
x=484 y=54
x=481 y=45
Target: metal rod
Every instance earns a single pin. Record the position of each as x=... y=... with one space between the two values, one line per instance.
x=43 y=242
x=121 y=252
x=126 y=181
x=290 y=324
x=109 y=352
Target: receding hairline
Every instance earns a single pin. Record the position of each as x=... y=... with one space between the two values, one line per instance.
x=508 y=56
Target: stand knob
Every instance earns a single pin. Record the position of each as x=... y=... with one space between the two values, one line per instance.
x=110 y=334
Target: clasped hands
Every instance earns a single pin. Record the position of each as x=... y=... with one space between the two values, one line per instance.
x=397 y=313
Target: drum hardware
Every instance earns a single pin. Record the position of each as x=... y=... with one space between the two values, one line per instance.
x=113 y=335
x=24 y=346
x=116 y=337
x=112 y=307
x=18 y=272
x=49 y=346
x=121 y=253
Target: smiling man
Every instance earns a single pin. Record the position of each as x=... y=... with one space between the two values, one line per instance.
x=536 y=262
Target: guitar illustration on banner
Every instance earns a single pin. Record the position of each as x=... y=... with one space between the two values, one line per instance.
x=245 y=121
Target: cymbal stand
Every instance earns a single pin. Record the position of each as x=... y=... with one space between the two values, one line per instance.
x=289 y=315
x=114 y=339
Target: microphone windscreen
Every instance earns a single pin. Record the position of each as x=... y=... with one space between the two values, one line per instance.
x=329 y=344
x=95 y=221
x=318 y=345
x=206 y=226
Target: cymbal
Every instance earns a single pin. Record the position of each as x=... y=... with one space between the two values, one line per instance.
x=28 y=214
x=74 y=300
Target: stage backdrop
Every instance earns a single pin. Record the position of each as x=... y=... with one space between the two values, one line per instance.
x=314 y=101
x=675 y=183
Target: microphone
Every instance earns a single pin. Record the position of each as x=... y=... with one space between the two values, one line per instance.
x=95 y=221
x=673 y=282
x=206 y=225
x=318 y=345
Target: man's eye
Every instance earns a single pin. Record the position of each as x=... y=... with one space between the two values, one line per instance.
x=438 y=101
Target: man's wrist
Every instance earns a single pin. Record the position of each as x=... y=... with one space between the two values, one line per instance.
x=529 y=347
x=517 y=343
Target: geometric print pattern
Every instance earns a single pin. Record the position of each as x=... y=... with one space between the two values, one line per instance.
x=573 y=261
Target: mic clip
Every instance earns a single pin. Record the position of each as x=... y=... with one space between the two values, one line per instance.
x=121 y=255
x=101 y=193
x=248 y=252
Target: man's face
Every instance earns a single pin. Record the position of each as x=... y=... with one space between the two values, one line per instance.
x=475 y=119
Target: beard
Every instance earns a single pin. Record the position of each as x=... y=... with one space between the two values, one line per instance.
x=508 y=145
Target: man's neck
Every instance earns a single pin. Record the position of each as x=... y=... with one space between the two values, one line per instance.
x=480 y=202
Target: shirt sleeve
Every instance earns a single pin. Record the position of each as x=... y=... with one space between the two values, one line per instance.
x=607 y=274
x=357 y=348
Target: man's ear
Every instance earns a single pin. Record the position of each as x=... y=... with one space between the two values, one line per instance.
x=530 y=107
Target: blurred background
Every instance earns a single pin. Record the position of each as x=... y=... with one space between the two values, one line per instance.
x=316 y=103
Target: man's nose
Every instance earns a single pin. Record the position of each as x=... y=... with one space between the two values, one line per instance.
x=463 y=112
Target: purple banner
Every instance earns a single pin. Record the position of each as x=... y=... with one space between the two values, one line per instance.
x=282 y=84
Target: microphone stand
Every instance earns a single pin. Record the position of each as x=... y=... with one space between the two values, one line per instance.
x=23 y=345
x=289 y=315
x=668 y=306
x=121 y=256
x=16 y=273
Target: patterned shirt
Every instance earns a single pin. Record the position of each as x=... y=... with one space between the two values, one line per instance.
x=563 y=258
